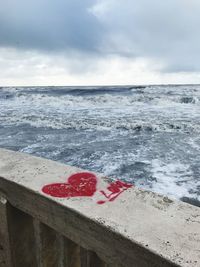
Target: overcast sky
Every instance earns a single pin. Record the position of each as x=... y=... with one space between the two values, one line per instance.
x=91 y=42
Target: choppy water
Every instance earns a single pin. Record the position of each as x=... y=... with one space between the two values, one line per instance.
x=147 y=135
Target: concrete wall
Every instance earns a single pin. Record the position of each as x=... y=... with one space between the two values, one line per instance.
x=56 y=215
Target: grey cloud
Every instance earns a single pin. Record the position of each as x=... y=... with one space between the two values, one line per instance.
x=165 y=31
x=49 y=25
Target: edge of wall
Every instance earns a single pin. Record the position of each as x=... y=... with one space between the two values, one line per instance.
x=138 y=227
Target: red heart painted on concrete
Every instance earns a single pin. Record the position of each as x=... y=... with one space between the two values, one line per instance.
x=78 y=185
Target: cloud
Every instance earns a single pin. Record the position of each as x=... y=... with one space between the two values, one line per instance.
x=49 y=25
x=165 y=32
x=33 y=68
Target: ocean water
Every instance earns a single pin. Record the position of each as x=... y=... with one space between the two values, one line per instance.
x=145 y=135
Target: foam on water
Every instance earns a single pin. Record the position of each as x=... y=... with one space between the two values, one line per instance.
x=147 y=135
x=174 y=179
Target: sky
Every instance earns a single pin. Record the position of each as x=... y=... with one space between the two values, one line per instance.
x=99 y=42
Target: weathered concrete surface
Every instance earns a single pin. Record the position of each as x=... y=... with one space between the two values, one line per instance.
x=137 y=229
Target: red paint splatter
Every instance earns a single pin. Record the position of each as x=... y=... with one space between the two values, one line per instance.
x=78 y=185
x=100 y=202
x=116 y=188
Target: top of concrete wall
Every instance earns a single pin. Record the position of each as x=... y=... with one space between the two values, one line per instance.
x=169 y=229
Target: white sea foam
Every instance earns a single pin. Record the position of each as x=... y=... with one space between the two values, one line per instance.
x=174 y=179
x=115 y=111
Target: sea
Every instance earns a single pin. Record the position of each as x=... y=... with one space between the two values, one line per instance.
x=145 y=135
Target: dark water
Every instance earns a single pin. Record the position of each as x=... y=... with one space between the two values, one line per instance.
x=147 y=135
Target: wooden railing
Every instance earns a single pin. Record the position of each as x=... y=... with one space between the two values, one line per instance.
x=55 y=215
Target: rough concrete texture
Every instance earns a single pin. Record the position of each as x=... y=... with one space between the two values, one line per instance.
x=138 y=228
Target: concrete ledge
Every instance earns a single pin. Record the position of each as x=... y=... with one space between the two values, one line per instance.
x=137 y=228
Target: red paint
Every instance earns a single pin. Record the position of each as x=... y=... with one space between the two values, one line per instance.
x=78 y=185
x=116 y=188
x=84 y=185
x=100 y=202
